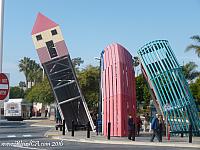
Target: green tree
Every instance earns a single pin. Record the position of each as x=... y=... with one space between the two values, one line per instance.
x=142 y=91
x=24 y=67
x=89 y=82
x=41 y=92
x=76 y=62
x=31 y=70
x=16 y=92
x=35 y=72
x=196 y=46
x=195 y=89
x=189 y=71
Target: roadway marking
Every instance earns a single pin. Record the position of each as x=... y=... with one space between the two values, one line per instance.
x=11 y=136
x=26 y=135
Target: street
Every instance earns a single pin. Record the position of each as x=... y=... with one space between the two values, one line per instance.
x=20 y=135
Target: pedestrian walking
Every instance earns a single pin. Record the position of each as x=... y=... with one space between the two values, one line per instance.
x=130 y=127
x=155 y=128
x=58 y=117
x=139 y=125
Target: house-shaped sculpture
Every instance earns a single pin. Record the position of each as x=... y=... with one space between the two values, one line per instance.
x=54 y=57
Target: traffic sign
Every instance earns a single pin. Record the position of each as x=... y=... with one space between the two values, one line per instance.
x=4 y=86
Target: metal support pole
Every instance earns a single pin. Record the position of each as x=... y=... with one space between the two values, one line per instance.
x=97 y=130
x=60 y=127
x=63 y=127
x=1 y=33
x=133 y=138
x=182 y=133
x=109 y=125
x=190 y=133
x=72 y=127
x=56 y=127
x=168 y=134
x=88 y=130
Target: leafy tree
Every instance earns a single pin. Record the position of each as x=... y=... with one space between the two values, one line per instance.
x=189 y=70
x=195 y=47
x=76 y=62
x=16 y=92
x=31 y=70
x=89 y=83
x=24 y=67
x=195 y=89
x=35 y=72
x=142 y=91
x=41 y=92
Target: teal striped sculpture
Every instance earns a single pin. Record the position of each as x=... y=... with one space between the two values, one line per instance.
x=168 y=86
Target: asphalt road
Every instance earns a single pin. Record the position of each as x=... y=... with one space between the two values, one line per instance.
x=20 y=135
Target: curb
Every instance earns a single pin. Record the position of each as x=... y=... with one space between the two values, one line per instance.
x=39 y=125
x=188 y=145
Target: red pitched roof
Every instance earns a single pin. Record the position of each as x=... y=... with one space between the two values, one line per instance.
x=42 y=23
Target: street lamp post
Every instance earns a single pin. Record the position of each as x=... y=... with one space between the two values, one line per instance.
x=100 y=108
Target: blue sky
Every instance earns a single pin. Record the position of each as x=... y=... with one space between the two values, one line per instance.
x=89 y=26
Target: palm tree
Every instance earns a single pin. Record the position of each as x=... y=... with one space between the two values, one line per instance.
x=35 y=74
x=31 y=70
x=24 y=67
x=196 y=46
x=189 y=71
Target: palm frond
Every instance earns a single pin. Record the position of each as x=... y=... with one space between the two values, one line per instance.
x=196 y=38
x=192 y=46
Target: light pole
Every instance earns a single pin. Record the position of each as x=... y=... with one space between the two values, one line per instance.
x=1 y=32
x=100 y=107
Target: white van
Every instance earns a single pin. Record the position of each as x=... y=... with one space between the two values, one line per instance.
x=17 y=109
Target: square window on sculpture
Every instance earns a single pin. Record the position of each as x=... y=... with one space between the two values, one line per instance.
x=54 y=32
x=39 y=37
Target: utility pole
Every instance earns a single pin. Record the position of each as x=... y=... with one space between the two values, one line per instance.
x=1 y=32
x=1 y=42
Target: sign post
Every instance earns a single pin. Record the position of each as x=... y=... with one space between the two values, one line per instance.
x=167 y=108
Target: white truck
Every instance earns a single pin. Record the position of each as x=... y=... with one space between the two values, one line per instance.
x=17 y=109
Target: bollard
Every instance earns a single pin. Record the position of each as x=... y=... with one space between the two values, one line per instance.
x=109 y=125
x=190 y=133
x=72 y=127
x=182 y=133
x=160 y=132
x=168 y=136
x=60 y=127
x=88 y=130
x=56 y=127
x=97 y=127
x=133 y=134
x=63 y=133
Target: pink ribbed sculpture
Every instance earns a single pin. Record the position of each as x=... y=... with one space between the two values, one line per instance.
x=119 y=92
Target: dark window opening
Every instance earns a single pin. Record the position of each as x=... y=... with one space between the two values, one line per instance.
x=54 y=32
x=39 y=37
x=51 y=49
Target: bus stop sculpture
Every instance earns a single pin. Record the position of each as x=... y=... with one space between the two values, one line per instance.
x=168 y=86
x=55 y=59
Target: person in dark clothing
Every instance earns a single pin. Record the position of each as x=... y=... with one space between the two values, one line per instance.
x=155 y=128
x=46 y=112
x=139 y=125
x=130 y=127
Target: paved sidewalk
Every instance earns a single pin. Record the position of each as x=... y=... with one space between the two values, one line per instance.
x=41 y=122
x=144 y=139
